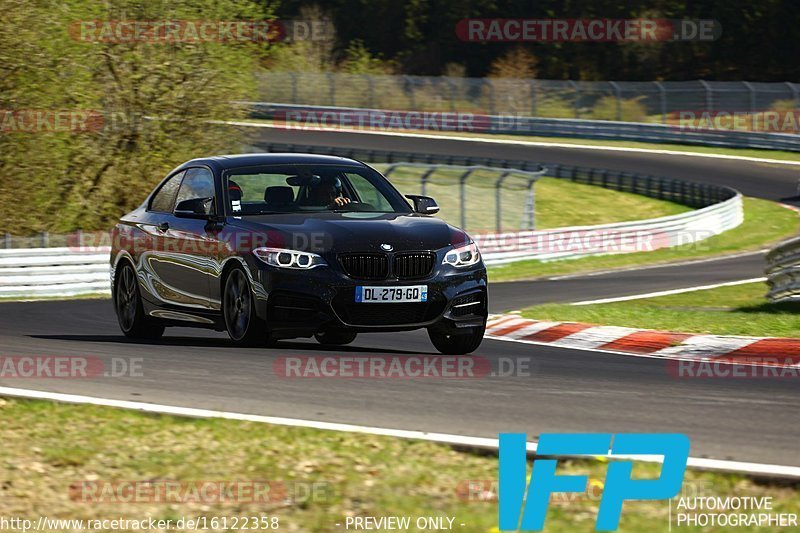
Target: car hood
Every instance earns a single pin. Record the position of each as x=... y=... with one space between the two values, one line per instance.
x=349 y=231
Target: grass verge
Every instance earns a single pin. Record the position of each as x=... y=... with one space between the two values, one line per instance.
x=736 y=310
x=49 y=447
x=765 y=223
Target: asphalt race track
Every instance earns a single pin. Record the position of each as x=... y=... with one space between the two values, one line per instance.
x=519 y=294
x=564 y=390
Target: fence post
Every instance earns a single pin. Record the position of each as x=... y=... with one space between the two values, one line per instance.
x=424 y=179
x=45 y=239
x=389 y=170
x=577 y=98
x=462 y=191
x=498 y=189
x=615 y=86
x=7 y=240
x=533 y=98
x=794 y=94
x=662 y=92
x=370 y=91
x=530 y=202
x=752 y=96
x=709 y=96
x=411 y=97
x=294 y=87
x=332 y=88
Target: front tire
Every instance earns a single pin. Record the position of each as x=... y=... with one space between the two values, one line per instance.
x=238 y=306
x=128 y=305
x=457 y=344
x=335 y=338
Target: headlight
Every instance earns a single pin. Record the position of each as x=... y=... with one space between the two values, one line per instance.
x=282 y=258
x=462 y=257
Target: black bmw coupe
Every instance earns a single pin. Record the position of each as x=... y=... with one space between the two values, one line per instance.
x=278 y=246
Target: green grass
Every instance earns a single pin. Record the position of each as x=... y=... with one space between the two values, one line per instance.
x=48 y=447
x=735 y=310
x=765 y=223
x=559 y=202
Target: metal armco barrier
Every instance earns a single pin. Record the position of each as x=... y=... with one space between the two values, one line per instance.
x=521 y=125
x=783 y=271
x=40 y=272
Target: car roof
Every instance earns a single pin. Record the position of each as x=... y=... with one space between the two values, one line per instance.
x=225 y=162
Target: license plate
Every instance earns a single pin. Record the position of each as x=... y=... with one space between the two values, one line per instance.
x=410 y=293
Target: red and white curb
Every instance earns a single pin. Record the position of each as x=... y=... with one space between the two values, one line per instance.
x=766 y=351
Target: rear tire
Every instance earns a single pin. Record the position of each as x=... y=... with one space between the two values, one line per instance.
x=335 y=338
x=244 y=326
x=459 y=344
x=128 y=304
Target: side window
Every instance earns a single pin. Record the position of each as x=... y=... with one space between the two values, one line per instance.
x=197 y=185
x=164 y=200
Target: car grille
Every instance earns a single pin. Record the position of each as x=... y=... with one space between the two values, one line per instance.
x=365 y=266
x=374 y=266
x=413 y=265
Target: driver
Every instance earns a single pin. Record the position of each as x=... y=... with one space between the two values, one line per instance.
x=328 y=194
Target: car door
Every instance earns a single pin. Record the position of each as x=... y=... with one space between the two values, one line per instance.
x=187 y=263
x=153 y=247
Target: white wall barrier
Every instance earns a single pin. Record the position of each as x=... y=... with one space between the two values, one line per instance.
x=52 y=272
x=622 y=237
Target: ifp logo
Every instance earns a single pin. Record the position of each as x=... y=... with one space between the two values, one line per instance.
x=521 y=511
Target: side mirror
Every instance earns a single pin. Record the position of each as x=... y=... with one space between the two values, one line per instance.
x=194 y=208
x=424 y=204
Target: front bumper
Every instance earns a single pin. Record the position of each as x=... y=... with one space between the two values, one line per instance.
x=300 y=303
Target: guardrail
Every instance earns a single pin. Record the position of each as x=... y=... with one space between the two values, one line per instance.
x=353 y=117
x=39 y=272
x=783 y=271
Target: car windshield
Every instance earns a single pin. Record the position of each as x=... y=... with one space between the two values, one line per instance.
x=310 y=188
